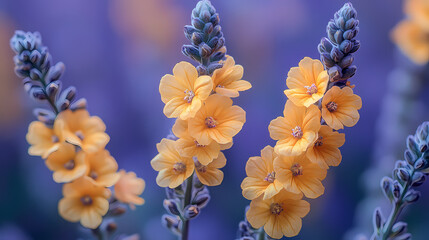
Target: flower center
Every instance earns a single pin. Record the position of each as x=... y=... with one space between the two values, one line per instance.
x=189 y=95
x=86 y=200
x=276 y=208
x=198 y=144
x=332 y=106
x=55 y=139
x=270 y=177
x=318 y=142
x=93 y=175
x=220 y=86
x=297 y=132
x=311 y=89
x=79 y=134
x=296 y=169
x=200 y=167
x=179 y=168
x=69 y=165
x=210 y=122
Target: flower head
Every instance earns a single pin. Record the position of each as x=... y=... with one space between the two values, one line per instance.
x=128 y=188
x=184 y=92
x=418 y=11
x=82 y=130
x=217 y=121
x=307 y=83
x=413 y=40
x=280 y=215
x=261 y=178
x=210 y=174
x=66 y=163
x=102 y=168
x=296 y=130
x=298 y=174
x=43 y=140
x=84 y=201
x=173 y=168
x=340 y=107
x=227 y=79
x=325 y=150
x=187 y=146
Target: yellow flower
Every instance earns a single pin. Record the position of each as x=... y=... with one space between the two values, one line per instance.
x=261 y=177
x=413 y=41
x=340 y=107
x=280 y=215
x=227 y=79
x=84 y=201
x=418 y=11
x=297 y=130
x=102 y=168
x=66 y=164
x=325 y=150
x=307 y=83
x=128 y=189
x=82 y=130
x=217 y=121
x=210 y=174
x=298 y=174
x=184 y=93
x=187 y=146
x=43 y=140
x=173 y=168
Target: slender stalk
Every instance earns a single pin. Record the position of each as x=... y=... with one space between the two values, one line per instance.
x=261 y=235
x=98 y=234
x=187 y=201
x=397 y=209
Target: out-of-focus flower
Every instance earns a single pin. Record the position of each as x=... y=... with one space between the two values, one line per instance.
x=128 y=188
x=84 y=201
x=102 y=168
x=66 y=163
x=210 y=174
x=280 y=215
x=325 y=150
x=227 y=79
x=296 y=130
x=307 y=83
x=261 y=177
x=187 y=146
x=340 y=107
x=418 y=11
x=217 y=121
x=298 y=174
x=413 y=41
x=184 y=92
x=82 y=130
x=173 y=169
x=43 y=140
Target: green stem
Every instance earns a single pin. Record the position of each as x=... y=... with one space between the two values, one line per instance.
x=397 y=209
x=187 y=201
x=98 y=234
x=261 y=235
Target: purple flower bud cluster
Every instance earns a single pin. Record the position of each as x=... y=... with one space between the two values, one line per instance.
x=207 y=41
x=41 y=78
x=336 y=51
x=399 y=189
x=179 y=208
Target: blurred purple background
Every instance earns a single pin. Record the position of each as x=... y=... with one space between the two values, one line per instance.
x=116 y=52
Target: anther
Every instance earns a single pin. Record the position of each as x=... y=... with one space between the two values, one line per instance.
x=55 y=139
x=198 y=144
x=69 y=165
x=210 y=122
x=297 y=132
x=189 y=95
x=200 y=167
x=270 y=177
x=318 y=142
x=93 y=175
x=296 y=169
x=79 y=134
x=311 y=89
x=86 y=200
x=276 y=208
x=179 y=168
x=332 y=106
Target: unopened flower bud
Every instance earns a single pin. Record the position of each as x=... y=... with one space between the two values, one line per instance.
x=201 y=200
x=412 y=196
x=378 y=220
x=398 y=229
x=191 y=211
x=171 y=206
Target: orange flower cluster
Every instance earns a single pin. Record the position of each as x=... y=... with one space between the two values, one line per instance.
x=74 y=149
x=206 y=122
x=412 y=34
x=307 y=144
